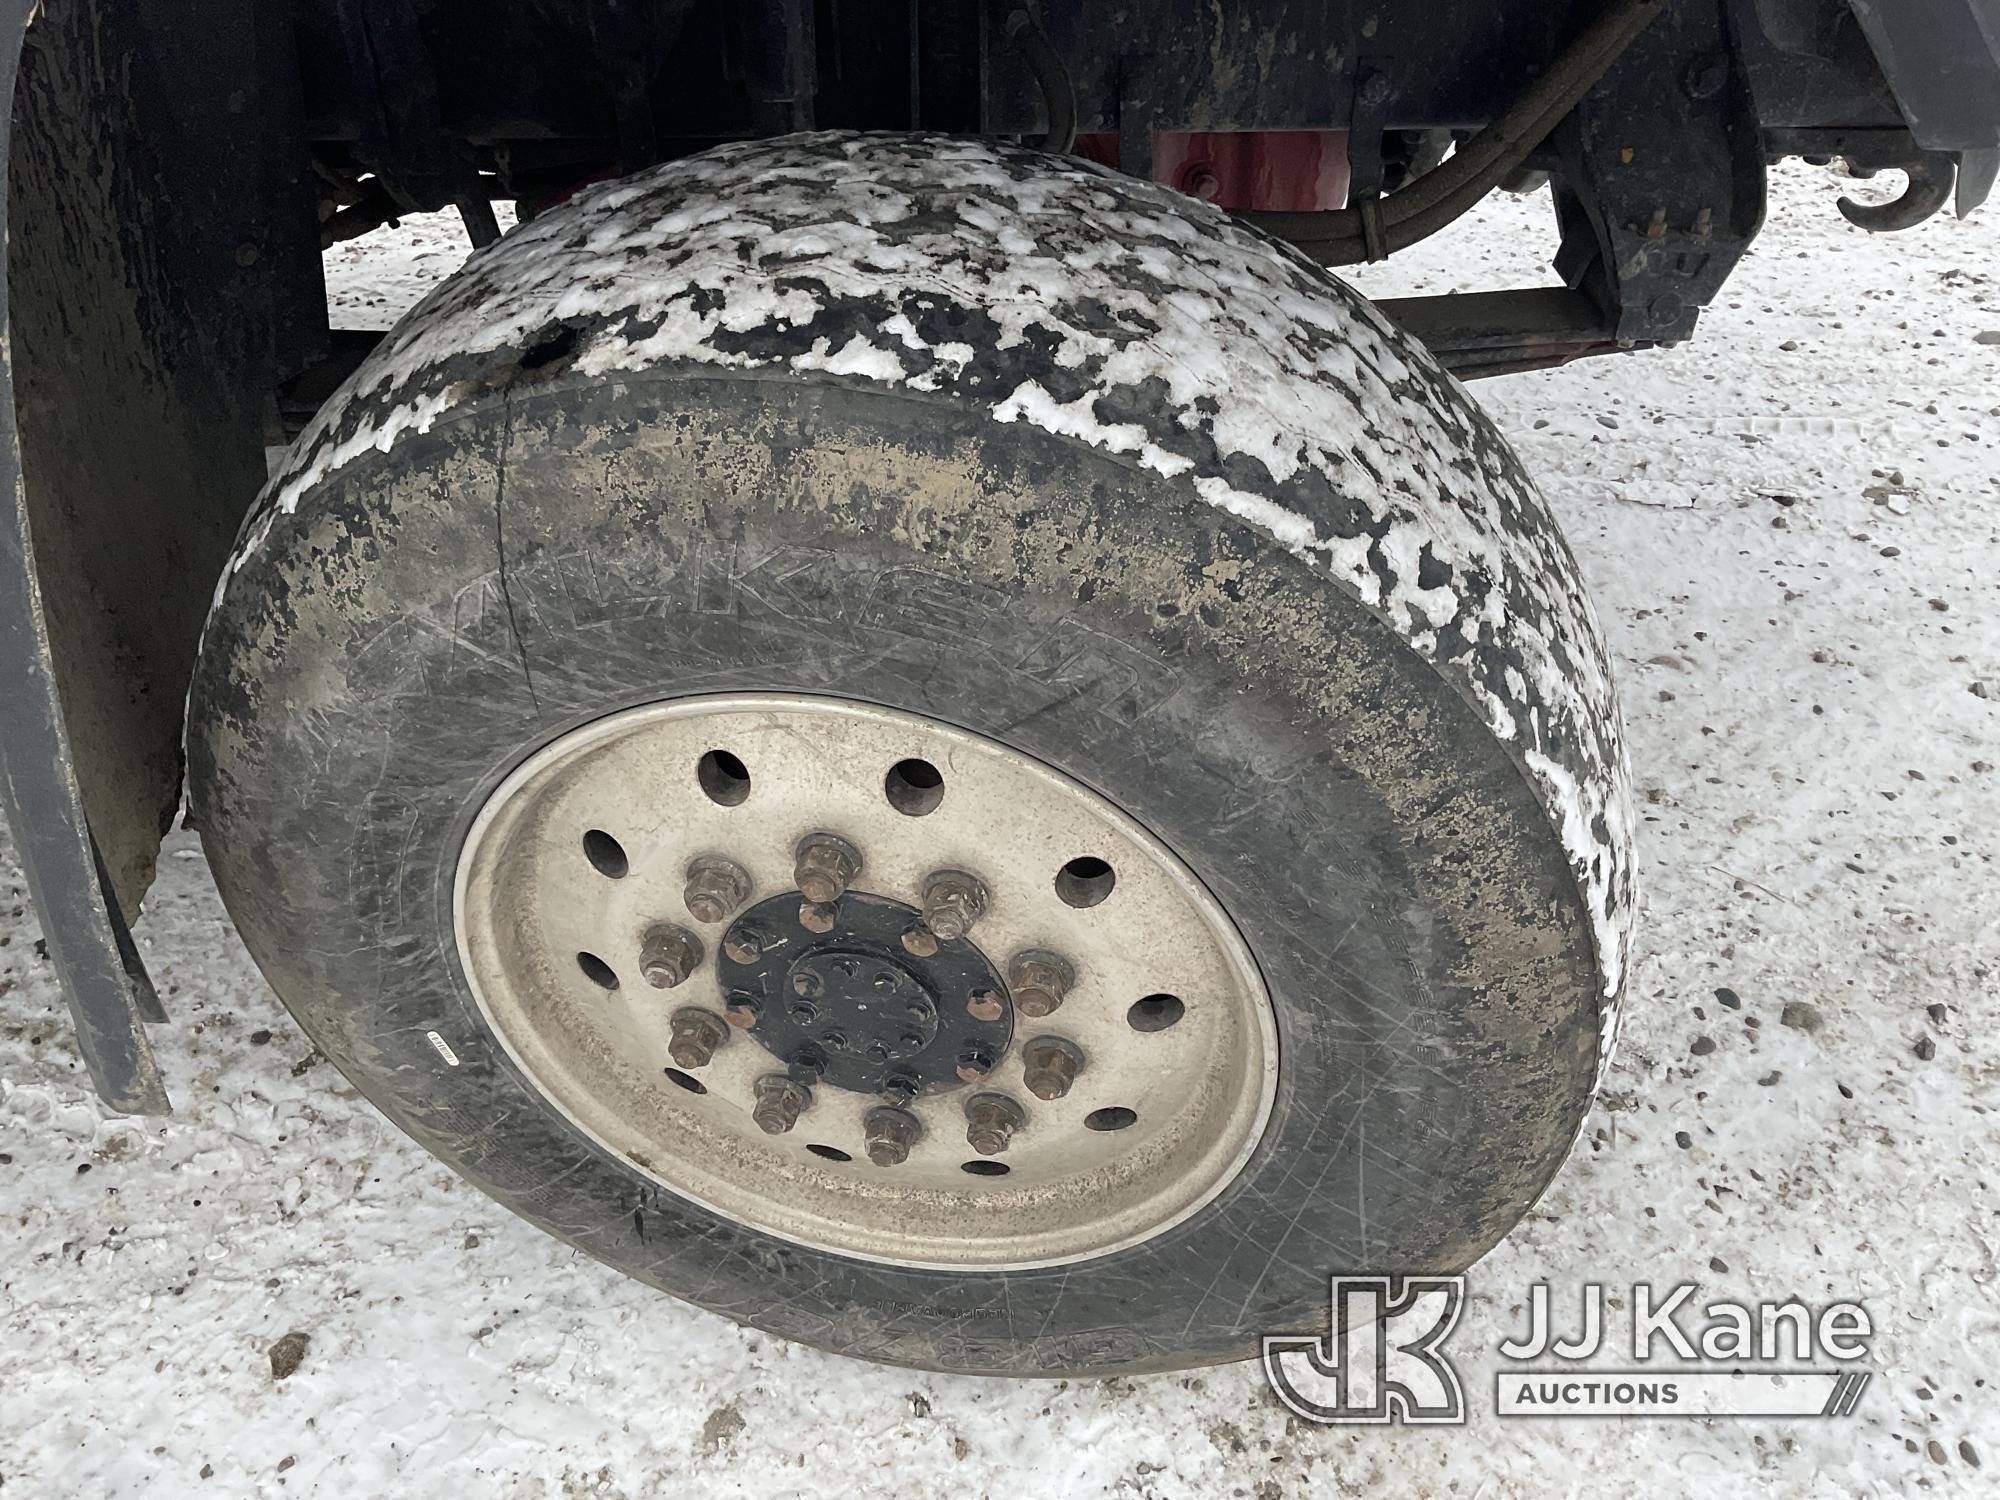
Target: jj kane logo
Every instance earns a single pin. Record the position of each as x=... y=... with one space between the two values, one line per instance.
x=1382 y=1358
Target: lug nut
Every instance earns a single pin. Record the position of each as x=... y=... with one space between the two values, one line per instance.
x=744 y=945
x=715 y=888
x=953 y=901
x=696 y=1035
x=984 y=1005
x=889 y=1134
x=920 y=942
x=1040 y=979
x=816 y=916
x=742 y=1010
x=974 y=1063
x=1049 y=1066
x=990 y=1122
x=823 y=866
x=668 y=955
x=780 y=1102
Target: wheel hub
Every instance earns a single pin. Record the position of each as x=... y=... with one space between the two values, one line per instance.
x=865 y=981
x=853 y=1009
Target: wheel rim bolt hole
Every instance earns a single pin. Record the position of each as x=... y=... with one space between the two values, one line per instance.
x=914 y=787
x=1085 y=881
x=724 y=778
x=1155 y=1013
x=597 y=971
x=606 y=855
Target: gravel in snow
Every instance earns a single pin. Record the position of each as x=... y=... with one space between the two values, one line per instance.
x=1792 y=528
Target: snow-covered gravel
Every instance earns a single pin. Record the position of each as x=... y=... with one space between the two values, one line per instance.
x=1793 y=530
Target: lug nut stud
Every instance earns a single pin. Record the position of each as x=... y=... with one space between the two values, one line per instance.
x=889 y=1134
x=1040 y=980
x=715 y=888
x=780 y=1102
x=920 y=942
x=816 y=916
x=823 y=865
x=1049 y=1066
x=696 y=1034
x=974 y=1063
x=990 y=1122
x=668 y=955
x=953 y=902
x=742 y=1010
x=744 y=945
x=984 y=1005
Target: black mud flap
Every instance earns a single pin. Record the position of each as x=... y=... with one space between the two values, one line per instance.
x=148 y=207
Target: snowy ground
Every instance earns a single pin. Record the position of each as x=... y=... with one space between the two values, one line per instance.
x=1793 y=530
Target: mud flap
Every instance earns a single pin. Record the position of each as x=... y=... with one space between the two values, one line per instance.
x=147 y=216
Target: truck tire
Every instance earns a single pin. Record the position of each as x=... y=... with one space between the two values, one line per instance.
x=935 y=750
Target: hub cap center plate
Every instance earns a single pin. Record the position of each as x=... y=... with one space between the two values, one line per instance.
x=851 y=1009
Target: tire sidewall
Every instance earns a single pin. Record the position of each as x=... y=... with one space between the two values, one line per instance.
x=559 y=551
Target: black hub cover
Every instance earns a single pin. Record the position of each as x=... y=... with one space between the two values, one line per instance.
x=854 y=1009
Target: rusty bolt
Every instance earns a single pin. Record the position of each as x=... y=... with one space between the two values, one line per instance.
x=889 y=1134
x=816 y=916
x=1040 y=980
x=824 y=864
x=953 y=901
x=744 y=945
x=742 y=1010
x=920 y=942
x=990 y=1122
x=1049 y=1066
x=715 y=888
x=668 y=955
x=780 y=1102
x=974 y=1063
x=984 y=1005
x=696 y=1035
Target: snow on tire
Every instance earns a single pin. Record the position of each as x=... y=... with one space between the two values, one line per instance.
x=1019 y=449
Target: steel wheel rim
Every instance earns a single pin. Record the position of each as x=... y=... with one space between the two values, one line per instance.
x=1167 y=1008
